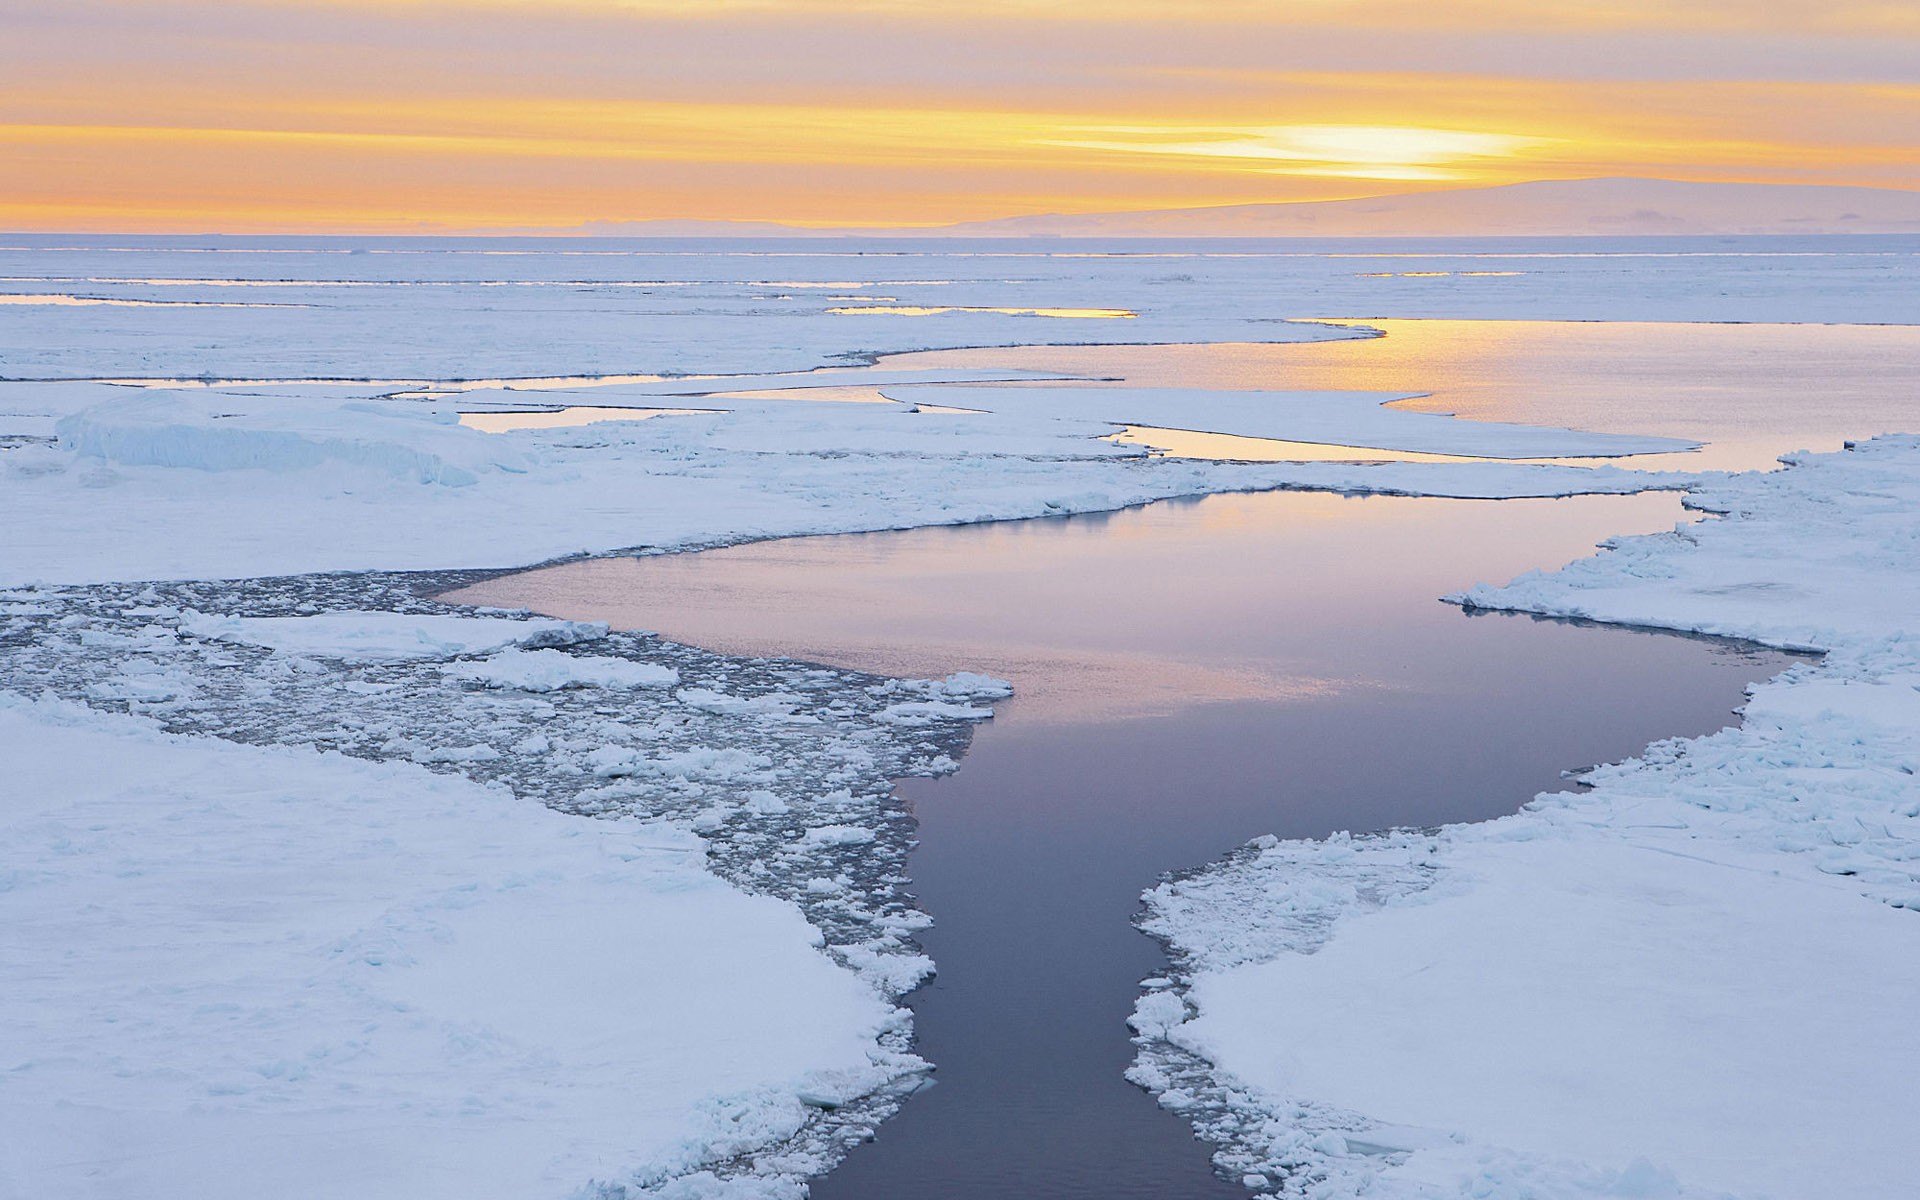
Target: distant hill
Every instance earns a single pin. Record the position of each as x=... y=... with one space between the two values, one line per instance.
x=1552 y=208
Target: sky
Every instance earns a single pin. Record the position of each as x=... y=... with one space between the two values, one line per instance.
x=436 y=115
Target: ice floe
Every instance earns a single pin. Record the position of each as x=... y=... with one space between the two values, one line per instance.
x=226 y=483
x=374 y=637
x=1684 y=982
x=550 y=670
x=237 y=969
x=286 y=968
x=1337 y=418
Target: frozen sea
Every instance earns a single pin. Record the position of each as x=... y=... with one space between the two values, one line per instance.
x=254 y=659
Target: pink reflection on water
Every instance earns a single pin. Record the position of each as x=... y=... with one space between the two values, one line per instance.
x=1100 y=617
x=1752 y=392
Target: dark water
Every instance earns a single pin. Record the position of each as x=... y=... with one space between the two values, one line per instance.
x=1192 y=675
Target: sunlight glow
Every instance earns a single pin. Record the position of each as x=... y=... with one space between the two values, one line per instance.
x=1357 y=151
x=544 y=115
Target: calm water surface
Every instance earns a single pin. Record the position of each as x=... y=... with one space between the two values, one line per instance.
x=1190 y=675
x=1751 y=392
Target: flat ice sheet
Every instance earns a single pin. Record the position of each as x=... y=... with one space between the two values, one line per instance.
x=1605 y=1000
x=1328 y=418
x=491 y=308
x=1685 y=982
x=225 y=484
x=619 y=393
x=240 y=971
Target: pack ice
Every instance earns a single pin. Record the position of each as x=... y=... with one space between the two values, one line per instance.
x=313 y=886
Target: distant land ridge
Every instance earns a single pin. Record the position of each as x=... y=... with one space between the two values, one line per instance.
x=1620 y=207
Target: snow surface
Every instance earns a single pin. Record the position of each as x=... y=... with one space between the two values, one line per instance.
x=359 y=878
x=503 y=307
x=290 y=966
x=1689 y=981
x=230 y=483
x=237 y=970
x=1334 y=418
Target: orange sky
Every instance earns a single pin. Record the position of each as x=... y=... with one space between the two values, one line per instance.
x=351 y=115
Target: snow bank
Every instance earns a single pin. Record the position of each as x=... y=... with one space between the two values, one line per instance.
x=234 y=970
x=1689 y=981
x=372 y=637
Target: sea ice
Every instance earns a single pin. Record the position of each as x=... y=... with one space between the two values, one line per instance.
x=385 y=637
x=1689 y=976
x=1332 y=418
x=550 y=670
x=332 y=932
x=232 y=484
x=288 y=969
x=234 y=970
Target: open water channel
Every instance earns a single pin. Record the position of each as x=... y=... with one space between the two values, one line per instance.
x=1190 y=675
x=1193 y=674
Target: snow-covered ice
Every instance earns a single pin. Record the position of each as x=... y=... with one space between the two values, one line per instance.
x=290 y=966
x=1690 y=980
x=308 y=877
x=550 y=670
x=495 y=308
x=1336 y=418
x=238 y=970
x=227 y=483
x=376 y=637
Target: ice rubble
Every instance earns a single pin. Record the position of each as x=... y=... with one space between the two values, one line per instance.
x=362 y=935
x=377 y=637
x=1688 y=981
x=550 y=670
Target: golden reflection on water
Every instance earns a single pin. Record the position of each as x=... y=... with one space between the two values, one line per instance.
x=1751 y=391
x=1182 y=443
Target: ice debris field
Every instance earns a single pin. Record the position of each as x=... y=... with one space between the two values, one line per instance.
x=305 y=875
